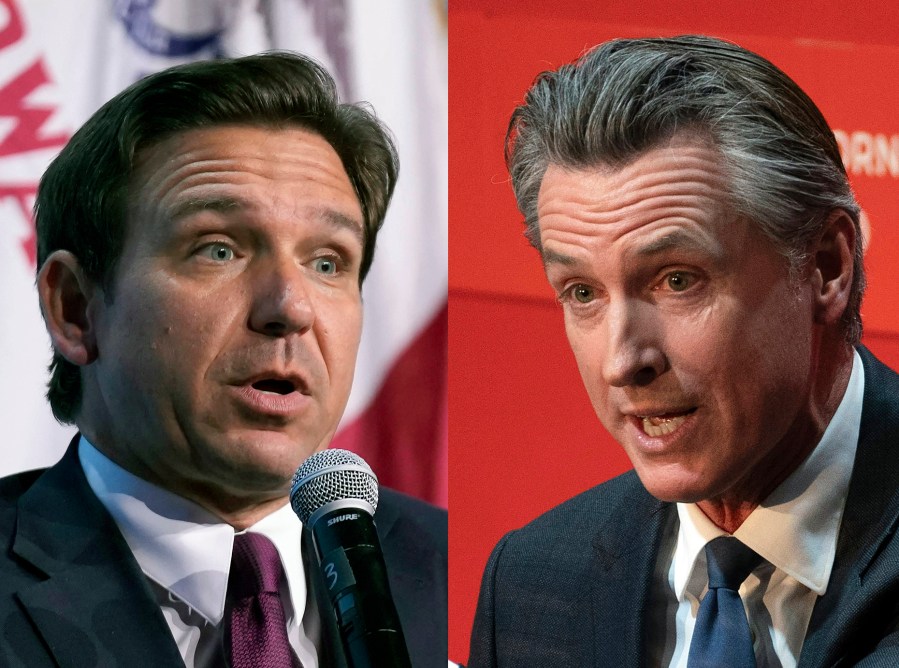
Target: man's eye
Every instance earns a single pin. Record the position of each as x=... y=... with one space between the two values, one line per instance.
x=583 y=294
x=217 y=251
x=326 y=265
x=679 y=281
x=580 y=293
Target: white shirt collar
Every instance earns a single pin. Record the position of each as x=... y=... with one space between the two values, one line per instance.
x=797 y=526
x=181 y=545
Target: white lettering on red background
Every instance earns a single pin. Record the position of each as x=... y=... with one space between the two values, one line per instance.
x=869 y=153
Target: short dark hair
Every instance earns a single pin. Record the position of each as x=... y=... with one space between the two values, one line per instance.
x=81 y=200
x=627 y=96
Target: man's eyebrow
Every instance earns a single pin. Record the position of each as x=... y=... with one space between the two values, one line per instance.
x=343 y=221
x=225 y=204
x=673 y=240
x=188 y=207
x=552 y=257
x=677 y=239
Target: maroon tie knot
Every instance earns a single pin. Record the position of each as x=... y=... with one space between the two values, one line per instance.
x=255 y=566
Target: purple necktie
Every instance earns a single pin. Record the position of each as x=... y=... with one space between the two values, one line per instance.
x=257 y=631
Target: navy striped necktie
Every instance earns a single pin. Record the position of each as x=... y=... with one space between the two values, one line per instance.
x=721 y=636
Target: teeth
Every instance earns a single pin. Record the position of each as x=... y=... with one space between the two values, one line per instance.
x=660 y=426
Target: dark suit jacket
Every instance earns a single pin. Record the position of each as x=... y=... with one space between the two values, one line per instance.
x=573 y=588
x=72 y=594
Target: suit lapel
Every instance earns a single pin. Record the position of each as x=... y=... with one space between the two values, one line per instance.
x=867 y=549
x=94 y=608
x=626 y=550
x=415 y=572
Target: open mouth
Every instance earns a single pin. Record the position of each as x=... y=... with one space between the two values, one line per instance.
x=274 y=386
x=662 y=425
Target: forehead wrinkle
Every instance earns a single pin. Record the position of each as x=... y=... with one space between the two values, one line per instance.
x=658 y=194
x=653 y=199
x=169 y=165
x=184 y=185
x=225 y=174
x=618 y=225
x=692 y=169
x=675 y=157
x=654 y=193
x=660 y=187
x=166 y=161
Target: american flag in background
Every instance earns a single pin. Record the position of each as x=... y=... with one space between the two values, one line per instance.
x=60 y=60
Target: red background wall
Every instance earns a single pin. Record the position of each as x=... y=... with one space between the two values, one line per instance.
x=523 y=435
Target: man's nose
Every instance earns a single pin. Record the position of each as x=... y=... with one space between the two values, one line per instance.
x=633 y=355
x=281 y=300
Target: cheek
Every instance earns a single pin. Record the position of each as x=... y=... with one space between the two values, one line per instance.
x=169 y=335
x=729 y=338
x=339 y=328
x=192 y=319
x=777 y=334
x=589 y=352
x=754 y=368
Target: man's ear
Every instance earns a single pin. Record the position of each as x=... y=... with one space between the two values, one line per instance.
x=833 y=267
x=66 y=294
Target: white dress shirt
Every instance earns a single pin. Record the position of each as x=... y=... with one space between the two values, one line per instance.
x=185 y=552
x=795 y=530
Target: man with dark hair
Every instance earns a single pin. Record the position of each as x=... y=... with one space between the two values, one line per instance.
x=694 y=218
x=202 y=242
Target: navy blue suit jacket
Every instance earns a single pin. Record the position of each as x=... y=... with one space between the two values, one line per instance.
x=573 y=588
x=72 y=594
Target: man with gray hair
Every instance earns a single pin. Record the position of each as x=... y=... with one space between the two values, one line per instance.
x=696 y=222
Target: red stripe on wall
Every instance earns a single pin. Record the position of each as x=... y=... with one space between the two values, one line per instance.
x=403 y=432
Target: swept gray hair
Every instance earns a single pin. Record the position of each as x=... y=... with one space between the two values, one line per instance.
x=628 y=95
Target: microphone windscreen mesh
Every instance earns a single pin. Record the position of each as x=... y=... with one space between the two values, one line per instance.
x=332 y=475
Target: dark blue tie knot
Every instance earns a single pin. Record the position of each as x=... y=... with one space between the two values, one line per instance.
x=730 y=562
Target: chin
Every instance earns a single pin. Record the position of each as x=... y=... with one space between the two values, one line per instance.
x=674 y=489
x=261 y=481
x=260 y=457
x=256 y=466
